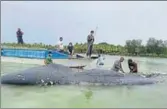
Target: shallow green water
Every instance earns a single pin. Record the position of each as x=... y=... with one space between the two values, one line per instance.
x=82 y=96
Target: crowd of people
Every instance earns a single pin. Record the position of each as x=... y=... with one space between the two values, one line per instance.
x=60 y=46
x=117 y=66
x=90 y=41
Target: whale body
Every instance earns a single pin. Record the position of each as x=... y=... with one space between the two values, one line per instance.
x=62 y=75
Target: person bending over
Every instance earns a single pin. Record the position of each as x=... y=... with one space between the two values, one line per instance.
x=117 y=65
x=132 y=66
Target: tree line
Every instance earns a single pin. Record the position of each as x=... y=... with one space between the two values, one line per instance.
x=153 y=47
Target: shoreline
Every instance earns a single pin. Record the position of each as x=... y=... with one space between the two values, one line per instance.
x=112 y=53
x=66 y=62
x=142 y=56
x=147 y=55
x=22 y=60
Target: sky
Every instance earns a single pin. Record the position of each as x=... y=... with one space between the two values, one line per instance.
x=114 y=21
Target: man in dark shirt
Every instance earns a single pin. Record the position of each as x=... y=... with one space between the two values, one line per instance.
x=132 y=66
x=19 y=34
x=90 y=41
x=70 y=49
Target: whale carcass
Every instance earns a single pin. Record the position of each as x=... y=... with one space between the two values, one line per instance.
x=62 y=75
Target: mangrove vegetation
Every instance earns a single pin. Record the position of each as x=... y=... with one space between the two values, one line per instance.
x=135 y=47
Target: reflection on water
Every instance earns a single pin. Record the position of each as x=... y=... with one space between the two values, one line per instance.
x=147 y=96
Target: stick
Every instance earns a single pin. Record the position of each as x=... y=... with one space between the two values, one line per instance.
x=77 y=67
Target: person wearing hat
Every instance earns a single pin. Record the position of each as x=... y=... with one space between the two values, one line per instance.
x=48 y=59
x=90 y=41
x=132 y=66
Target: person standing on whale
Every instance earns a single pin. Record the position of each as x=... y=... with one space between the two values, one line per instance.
x=117 y=65
x=90 y=41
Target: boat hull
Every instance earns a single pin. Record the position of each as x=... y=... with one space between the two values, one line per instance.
x=28 y=53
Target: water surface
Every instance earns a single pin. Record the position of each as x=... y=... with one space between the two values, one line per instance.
x=147 y=96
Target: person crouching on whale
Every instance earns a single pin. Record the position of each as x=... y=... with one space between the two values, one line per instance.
x=100 y=60
x=132 y=66
x=48 y=59
x=117 y=65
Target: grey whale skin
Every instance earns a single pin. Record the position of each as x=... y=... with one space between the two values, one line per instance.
x=62 y=75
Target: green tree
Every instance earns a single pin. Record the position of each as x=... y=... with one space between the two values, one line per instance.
x=133 y=46
x=155 y=46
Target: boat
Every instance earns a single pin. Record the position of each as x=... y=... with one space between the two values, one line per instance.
x=32 y=53
x=38 y=53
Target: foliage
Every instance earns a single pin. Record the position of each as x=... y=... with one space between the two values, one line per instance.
x=156 y=46
x=133 y=47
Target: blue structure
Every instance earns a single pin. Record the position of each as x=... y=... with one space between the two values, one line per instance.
x=28 y=53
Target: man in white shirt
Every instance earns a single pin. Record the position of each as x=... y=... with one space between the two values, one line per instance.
x=60 y=44
x=100 y=60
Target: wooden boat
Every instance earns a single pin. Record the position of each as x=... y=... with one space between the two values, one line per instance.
x=30 y=53
x=39 y=54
